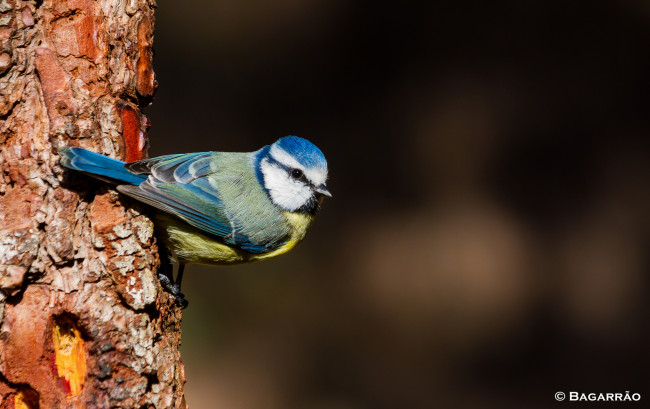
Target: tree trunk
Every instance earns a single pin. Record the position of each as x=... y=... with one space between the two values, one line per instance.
x=83 y=319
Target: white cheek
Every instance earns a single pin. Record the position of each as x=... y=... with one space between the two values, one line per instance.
x=284 y=191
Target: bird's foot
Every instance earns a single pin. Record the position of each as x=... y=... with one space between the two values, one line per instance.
x=174 y=289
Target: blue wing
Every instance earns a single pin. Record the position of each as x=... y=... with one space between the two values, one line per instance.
x=178 y=184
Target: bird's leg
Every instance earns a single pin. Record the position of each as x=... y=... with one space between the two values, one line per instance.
x=180 y=297
x=164 y=273
x=166 y=276
x=166 y=270
x=179 y=275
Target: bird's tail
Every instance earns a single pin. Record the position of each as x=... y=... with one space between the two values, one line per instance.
x=99 y=166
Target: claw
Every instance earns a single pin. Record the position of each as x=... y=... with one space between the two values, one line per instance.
x=174 y=289
x=181 y=301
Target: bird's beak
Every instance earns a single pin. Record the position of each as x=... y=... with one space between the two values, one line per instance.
x=322 y=189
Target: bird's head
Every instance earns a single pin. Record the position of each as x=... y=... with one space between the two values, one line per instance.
x=293 y=172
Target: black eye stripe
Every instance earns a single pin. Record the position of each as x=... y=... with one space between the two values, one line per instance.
x=289 y=170
x=302 y=178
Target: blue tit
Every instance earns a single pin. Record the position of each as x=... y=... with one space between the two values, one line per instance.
x=221 y=207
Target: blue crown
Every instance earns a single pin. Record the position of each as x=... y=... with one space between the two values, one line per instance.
x=304 y=151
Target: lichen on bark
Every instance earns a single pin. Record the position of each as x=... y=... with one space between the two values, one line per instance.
x=83 y=319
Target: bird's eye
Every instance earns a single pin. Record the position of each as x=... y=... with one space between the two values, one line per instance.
x=296 y=173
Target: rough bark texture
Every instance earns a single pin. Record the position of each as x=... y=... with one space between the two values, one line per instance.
x=83 y=320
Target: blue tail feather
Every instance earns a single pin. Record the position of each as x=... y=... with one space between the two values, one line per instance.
x=99 y=166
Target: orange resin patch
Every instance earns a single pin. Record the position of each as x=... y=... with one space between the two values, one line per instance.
x=20 y=402
x=134 y=138
x=25 y=400
x=70 y=357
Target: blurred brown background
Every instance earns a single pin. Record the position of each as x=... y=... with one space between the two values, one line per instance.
x=487 y=243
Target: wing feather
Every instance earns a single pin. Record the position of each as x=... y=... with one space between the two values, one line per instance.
x=174 y=168
x=178 y=184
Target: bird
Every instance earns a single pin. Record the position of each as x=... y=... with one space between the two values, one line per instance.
x=220 y=208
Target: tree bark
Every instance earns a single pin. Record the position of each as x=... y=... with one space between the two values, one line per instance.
x=83 y=319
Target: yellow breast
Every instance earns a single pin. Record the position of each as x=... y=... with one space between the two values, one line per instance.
x=191 y=246
x=299 y=223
